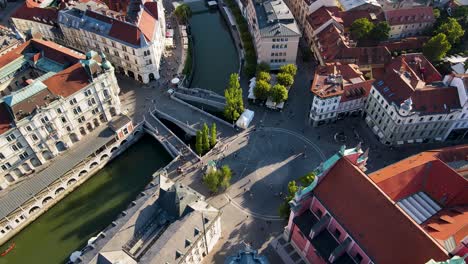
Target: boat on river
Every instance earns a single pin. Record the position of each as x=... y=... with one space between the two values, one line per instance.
x=10 y=248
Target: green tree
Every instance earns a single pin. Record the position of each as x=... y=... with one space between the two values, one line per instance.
x=183 y=13
x=436 y=48
x=307 y=179
x=279 y=93
x=285 y=79
x=205 y=138
x=211 y=180
x=381 y=31
x=436 y=13
x=234 y=102
x=289 y=68
x=284 y=210
x=263 y=66
x=361 y=28
x=452 y=29
x=199 y=143
x=225 y=177
x=213 y=137
x=262 y=90
x=292 y=190
x=265 y=76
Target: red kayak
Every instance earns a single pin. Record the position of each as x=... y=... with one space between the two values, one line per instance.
x=12 y=246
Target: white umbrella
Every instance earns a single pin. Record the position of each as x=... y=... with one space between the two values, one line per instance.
x=75 y=255
x=175 y=81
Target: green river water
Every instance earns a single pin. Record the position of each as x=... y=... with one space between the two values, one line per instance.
x=215 y=54
x=68 y=225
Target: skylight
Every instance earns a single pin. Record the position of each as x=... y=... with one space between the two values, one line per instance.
x=419 y=207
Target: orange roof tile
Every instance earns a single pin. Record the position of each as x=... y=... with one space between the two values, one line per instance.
x=379 y=227
x=449 y=223
x=68 y=81
x=402 y=16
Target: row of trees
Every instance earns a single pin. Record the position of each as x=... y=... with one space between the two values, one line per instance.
x=218 y=179
x=364 y=30
x=279 y=92
x=183 y=13
x=234 y=103
x=206 y=139
x=305 y=181
x=448 y=34
x=246 y=38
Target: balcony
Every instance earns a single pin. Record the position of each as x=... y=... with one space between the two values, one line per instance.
x=323 y=242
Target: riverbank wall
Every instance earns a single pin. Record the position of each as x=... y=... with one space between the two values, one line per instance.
x=43 y=201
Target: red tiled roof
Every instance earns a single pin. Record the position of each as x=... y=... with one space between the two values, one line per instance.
x=357 y=90
x=13 y=54
x=125 y=32
x=147 y=25
x=410 y=16
x=5 y=119
x=447 y=223
x=350 y=16
x=381 y=229
x=322 y=15
x=405 y=44
x=365 y=55
x=117 y=5
x=435 y=99
x=68 y=81
x=56 y=52
x=332 y=41
x=323 y=88
x=152 y=8
x=424 y=172
x=36 y=14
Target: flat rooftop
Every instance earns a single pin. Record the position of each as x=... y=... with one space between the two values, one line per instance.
x=275 y=19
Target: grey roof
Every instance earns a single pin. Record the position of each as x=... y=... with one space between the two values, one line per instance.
x=246 y=256
x=59 y=166
x=119 y=122
x=178 y=238
x=275 y=19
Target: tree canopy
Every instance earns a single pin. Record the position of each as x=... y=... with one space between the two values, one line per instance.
x=234 y=102
x=183 y=13
x=289 y=68
x=380 y=32
x=263 y=67
x=216 y=179
x=452 y=29
x=436 y=48
x=361 y=28
x=285 y=79
x=265 y=76
x=262 y=90
x=279 y=93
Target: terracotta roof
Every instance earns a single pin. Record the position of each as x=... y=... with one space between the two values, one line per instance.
x=152 y=8
x=365 y=55
x=125 y=32
x=68 y=81
x=414 y=43
x=357 y=90
x=5 y=119
x=349 y=17
x=26 y=107
x=332 y=41
x=424 y=172
x=147 y=25
x=56 y=52
x=36 y=14
x=13 y=54
x=117 y=5
x=322 y=15
x=447 y=223
x=410 y=16
x=331 y=79
x=381 y=229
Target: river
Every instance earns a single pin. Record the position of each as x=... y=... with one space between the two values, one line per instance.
x=215 y=54
x=68 y=225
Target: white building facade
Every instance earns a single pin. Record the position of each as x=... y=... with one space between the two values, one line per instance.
x=53 y=111
x=134 y=48
x=274 y=31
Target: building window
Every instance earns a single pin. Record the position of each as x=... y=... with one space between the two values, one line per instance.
x=28 y=128
x=44 y=120
x=106 y=49
x=124 y=48
x=2 y=156
x=116 y=53
x=23 y=155
x=358 y=258
x=10 y=137
x=105 y=93
x=73 y=101
x=337 y=234
x=87 y=92
x=148 y=62
x=63 y=119
x=81 y=119
x=91 y=101
x=77 y=110
x=59 y=111
x=126 y=57
x=34 y=137
x=318 y=212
